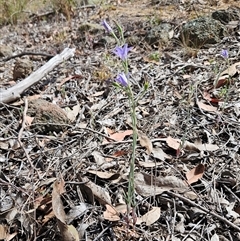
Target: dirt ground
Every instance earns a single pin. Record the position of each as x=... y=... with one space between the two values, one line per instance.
x=66 y=142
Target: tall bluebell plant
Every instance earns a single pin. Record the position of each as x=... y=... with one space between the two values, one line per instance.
x=123 y=82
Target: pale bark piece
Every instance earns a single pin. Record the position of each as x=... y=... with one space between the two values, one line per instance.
x=145 y=142
x=13 y=93
x=150 y=217
x=205 y=107
x=195 y=174
x=58 y=189
x=3 y=231
x=160 y=154
x=173 y=143
x=111 y=213
x=231 y=70
x=104 y=175
x=68 y=232
x=147 y=185
x=100 y=193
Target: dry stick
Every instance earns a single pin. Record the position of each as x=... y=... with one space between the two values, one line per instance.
x=27 y=53
x=14 y=92
x=26 y=153
x=205 y=210
x=21 y=131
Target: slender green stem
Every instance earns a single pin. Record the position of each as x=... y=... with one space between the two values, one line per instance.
x=131 y=184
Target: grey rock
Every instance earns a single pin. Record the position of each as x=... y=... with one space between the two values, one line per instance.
x=22 y=68
x=48 y=117
x=204 y=30
x=225 y=16
x=159 y=34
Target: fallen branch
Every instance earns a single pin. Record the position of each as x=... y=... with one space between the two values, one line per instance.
x=27 y=53
x=14 y=92
x=206 y=211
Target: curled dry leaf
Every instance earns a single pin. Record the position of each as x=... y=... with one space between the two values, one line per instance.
x=206 y=107
x=208 y=97
x=231 y=70
x=119 y=136
x=100 y=193
x=195 y=174
x=58 y=189
x=160 y=154
x=147 y=185
x=111 y=213
x=72 y=114
x=68 y=232
x=226 y=75
x=190 y=146
x=173 y=143
x=105 y=175
x=3 y=231
x=206 y=147
x=149 y=164
x=150 y=217
x=145 y=142
x=99 y=159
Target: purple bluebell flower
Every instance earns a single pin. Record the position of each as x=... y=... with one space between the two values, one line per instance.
x=107 y=26
x=122 y=79
x=224 y=53
x=122 y=52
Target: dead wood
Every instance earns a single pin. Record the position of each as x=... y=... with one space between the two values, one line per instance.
x=14 y=92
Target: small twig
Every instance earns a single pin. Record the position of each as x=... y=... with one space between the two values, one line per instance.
x=27 y=53
x=207 y=211
x=21 y=131
x=104 y=230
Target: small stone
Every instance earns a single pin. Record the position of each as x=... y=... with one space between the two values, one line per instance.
x=5 y=51
x=22 y=68
x=48 y=117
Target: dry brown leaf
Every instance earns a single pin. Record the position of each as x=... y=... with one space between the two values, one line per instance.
x=100 y=193
x=145 y=142
x=222 y=80
x=98 y=93
x=149 y=164
x=111 y=213
x=104 y=175
x=206 y=147
x=232 y=70
x=10 y=236
x=160 y=154
x=206 y=107
x=148 y=185
x=195 y=174
x=150 y=60
x=150 y=217
x=121 y=208
x=29 y=120
x=119 y=153
x=3 y=231
x=190 y=146
x=48 y=217
x=173 y=143
x=58 y=189
x=72 y=114
x=119 y=136
x=208 y=97
x=68 y=232
x=99 y=159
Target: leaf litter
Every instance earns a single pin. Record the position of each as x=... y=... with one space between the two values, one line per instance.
x=187 y=162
